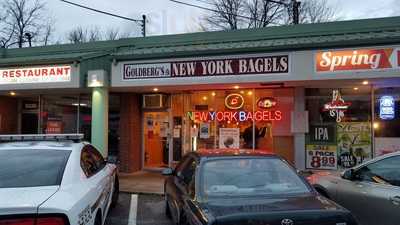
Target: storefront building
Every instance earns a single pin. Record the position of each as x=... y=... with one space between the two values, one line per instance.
x=323 y=96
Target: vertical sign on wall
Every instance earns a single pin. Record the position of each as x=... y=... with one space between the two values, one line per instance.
x=321 y=147
x=337 y=106
x=386 y=107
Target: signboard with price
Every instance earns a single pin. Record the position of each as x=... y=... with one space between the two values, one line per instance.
x=323 y=157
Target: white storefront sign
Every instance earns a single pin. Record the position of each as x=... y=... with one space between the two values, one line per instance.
x=34 y=75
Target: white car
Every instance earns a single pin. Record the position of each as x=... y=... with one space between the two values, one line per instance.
x=52 y=180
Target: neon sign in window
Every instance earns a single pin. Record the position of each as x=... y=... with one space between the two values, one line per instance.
x=236 y=116
x=386 y=107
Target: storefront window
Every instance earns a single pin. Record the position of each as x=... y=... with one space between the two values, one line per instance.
x=340 y=134
x=241 y=119
x=387 y=120
x=59 y=114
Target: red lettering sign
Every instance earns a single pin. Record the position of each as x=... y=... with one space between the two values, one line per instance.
x=347 y=60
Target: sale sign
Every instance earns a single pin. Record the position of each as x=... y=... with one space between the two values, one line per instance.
x=358 y=59
x=321 y=157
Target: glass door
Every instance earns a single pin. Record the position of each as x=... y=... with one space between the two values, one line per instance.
x=156 y=139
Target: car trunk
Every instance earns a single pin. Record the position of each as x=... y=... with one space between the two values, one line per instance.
x=303 y=210
x=16 y=201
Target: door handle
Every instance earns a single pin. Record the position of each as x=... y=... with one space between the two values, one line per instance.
x=395 y=200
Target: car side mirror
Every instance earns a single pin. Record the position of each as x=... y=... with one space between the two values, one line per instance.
x=168 y=172
x=348 y=174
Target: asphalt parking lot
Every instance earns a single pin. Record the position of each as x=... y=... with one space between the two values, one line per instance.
x=138 y=210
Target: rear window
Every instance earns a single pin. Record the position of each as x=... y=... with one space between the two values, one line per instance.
x=250 y=177
x=31 y=168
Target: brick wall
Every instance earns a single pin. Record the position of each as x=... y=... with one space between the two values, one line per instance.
x=8 y=115
x=130 y=154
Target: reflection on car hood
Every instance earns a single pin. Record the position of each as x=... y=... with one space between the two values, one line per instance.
x=301 y=210
x=24 y=200
x=223 y=207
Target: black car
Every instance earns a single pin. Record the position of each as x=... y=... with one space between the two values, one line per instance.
x=240 y=187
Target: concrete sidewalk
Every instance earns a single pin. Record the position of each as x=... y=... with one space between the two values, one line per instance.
x=142 y=182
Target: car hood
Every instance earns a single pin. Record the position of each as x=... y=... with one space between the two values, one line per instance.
x=24 y=200
x=303 y=209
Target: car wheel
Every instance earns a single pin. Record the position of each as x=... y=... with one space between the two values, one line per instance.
x=167 y=209
x=115 y=195
x=182 y=220
x=97 y=221
x=323 y=193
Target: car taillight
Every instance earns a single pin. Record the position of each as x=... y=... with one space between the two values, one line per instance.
x=33 y=221
x=25 y=221
x=50 y=221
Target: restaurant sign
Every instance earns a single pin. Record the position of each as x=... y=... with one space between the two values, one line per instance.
x=210 y=67
x=357 y=59
x=47 y=74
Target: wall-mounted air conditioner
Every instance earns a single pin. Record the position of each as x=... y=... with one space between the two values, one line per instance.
x=154 y=101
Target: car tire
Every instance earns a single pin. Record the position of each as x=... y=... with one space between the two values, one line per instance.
x=323 y=193
x=182 y=220
x=97 y=221
x=115 y=195
x=167 y=209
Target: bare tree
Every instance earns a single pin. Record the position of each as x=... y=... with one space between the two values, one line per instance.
x=23 y=17
x=112 y=34
x=77 y=35
x=236 y=14
x=263 y=13
x=317 y=11
x=48 y=33
x=226 y=15
x=94 y=34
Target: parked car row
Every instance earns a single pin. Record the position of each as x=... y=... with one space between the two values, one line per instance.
x=59 y=180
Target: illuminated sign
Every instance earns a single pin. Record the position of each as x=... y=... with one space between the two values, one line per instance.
x=337 y=106
x=236 y=116
x=234 y=101
x=358 y=59
x=386 y=107
x=264 y=64
x=266 y=103
x=48 y=74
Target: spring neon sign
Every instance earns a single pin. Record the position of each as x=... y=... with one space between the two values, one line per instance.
x=236 y=116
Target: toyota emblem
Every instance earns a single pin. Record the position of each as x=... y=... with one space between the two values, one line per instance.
x=287 y=222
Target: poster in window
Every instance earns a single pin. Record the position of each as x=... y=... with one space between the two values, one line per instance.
x=321 y=157
x=385 y=145
x=53 y=127
x=354 y=143
x=205 y=130
x=229 y=138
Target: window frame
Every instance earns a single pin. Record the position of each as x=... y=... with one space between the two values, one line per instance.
x=358 y=175
x=91 y=151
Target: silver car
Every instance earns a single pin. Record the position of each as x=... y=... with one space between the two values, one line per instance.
x=371 y=191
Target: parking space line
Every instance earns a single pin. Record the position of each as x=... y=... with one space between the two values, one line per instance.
x=133 y=210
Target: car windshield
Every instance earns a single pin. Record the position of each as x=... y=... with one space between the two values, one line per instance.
x=31 y=168
x=250 y=177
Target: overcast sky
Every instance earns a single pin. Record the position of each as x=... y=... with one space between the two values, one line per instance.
x=166 y=17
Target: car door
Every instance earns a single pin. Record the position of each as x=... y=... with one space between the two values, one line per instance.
x=93 y=165
x=182 y=180
x=172 y=192
x=374 y=193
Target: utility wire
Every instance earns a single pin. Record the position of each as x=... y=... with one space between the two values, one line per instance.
x=212 y=10
x=103 y=12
